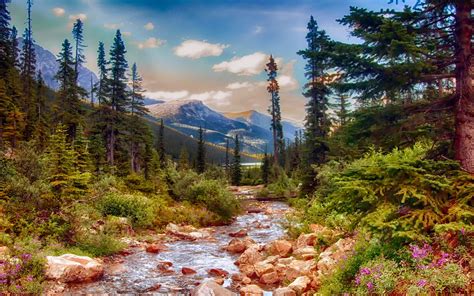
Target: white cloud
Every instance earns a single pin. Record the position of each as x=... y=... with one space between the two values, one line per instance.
x=195 y=49
x=248 y=65
x=58 y=11
x=213 y=97
x=239 y=85
x=151 y=42
x=257 y=30
x=74 y=17
x=286 y=78
x=128 y=34
x=167 y=95
x=112 y=26
x=149 y=26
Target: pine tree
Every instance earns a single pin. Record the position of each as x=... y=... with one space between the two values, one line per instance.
x=273 y=88
x=79 y=58
x=236 y=167
x=5 y=33
x=14 y=54
x=341 y=107
x=201 y=152
x=265 y=168
x=317 y=91
x=11 y=119
x=227 y=158
x=161 y=144
x=97 y=153
x=41 y=131
x=101 y=87
x=28 y=73
x=69 y=106
x=183 y=161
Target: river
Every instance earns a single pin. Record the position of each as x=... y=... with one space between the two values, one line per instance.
x=138 y=273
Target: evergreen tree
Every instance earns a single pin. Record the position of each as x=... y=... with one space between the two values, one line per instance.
x=183 y=161
x=5 y=44
x=341 y=107
x=317 y=91
x=236 y=167
x=79 y=58
x=161 y=144
x=101 y=86
x=273 y=88
x=265 y=168
x=28 y=73
x=81 y=147
x=41 y=131
x=69 y=106
x=97 y=153
x=14 y=54
x=295 y=157
x=227 y=158
x=11 y=119
x=201 y=152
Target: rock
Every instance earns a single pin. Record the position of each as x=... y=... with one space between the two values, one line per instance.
x=164 y=267
x=335 y=253
x=318 y=229
x=219 y=281
x=262 y=268
x=240 y=233
x=218 y=272
x=285 y=291
x=187 y=271
x=251 y=255
x=306 y=253
x=237 y=277
x=305 y=240
x=70 y=268
x=255 y=210
x=152 y=288
x=298 y=268
x=300 y=284
x=236 y=246
x=246 y=280
x=155 y=248
x=251 y=290
x=187 y=232
x=248 y=269
x=211 y=288
x=279 y=247
x=270 y=278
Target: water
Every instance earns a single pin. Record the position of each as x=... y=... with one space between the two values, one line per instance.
x=139 y=273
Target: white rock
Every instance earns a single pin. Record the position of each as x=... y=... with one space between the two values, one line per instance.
x=72 y=268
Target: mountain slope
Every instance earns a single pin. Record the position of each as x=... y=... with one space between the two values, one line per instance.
x=188 y=115
x=264 y=121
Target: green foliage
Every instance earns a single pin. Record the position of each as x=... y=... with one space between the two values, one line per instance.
x=400 y=194
x=137 y=207
x=100 y=244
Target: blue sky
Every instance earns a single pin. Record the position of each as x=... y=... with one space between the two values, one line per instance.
x=209 y=50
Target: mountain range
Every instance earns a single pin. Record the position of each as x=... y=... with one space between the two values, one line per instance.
x=186 y=116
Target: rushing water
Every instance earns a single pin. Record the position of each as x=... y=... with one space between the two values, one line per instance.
x=139 y=273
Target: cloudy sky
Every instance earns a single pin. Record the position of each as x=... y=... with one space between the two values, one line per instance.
x=211 y=50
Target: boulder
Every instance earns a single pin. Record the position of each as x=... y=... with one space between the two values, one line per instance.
x=236 y=246
x=305 y=240
x=240 y=233
x=70 y=268
x=300 y=284
x=248 y=270
x=211 y=288
x=251 y=255
x=298 y=268
x=218 y=272
x=219 y=281
x=164 y=267
x=270 y=278
x=285 y=291
x=281 y=248
x=335 y=253
x=187 y=271
x=306 y=253
x=187 y=232
x=155 y=248
x=251 y=290
x=237 y=277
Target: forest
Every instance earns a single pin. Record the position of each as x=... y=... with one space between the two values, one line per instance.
x=385 y=159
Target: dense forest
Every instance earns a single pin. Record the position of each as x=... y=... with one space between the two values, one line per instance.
x=385 y=158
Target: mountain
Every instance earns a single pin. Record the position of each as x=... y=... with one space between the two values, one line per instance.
x=46 y=62
x=264 y=121
x=187 y=116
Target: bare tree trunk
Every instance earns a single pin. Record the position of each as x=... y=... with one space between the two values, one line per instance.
x=464 y=136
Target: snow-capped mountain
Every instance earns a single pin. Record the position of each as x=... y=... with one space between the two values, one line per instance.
x=47 y=64
x=264 y=121
x=188 y=115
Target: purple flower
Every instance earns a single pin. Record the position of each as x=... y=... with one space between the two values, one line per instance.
x=365 y=271
x=418 y=253
x=422 y=283
x=370 y=286
x=463 y=231
x=357 y=280
x=29 y=278
x=26 y=257
x=444 y=258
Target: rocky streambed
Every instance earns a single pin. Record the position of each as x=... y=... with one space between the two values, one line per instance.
x=176 y=263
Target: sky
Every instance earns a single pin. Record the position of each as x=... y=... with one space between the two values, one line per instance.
x=210 y=50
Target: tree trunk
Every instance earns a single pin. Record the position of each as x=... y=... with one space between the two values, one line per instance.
x=464 y=136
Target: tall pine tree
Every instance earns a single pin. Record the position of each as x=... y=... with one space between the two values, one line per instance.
x=201 y=152
x=78 y=36
x=236 y=174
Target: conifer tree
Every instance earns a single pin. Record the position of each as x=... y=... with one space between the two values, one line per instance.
x=5 y=44
x=97 y=153
x=14 y=54
x=69 y=108
x=227 y=158
x=277 y=129
x=161 y=144
x=236 y=167
x=201 y=152
x=341 y=107
x=265 y=168
x=41 y=130
x=11 y=119
x=79 y=58
x=183 y=161
x=101 y=86
x=317 y=91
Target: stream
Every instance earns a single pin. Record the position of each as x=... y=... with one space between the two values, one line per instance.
x=138 y=273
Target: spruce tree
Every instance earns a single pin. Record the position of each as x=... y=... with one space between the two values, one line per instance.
x=236 y=167
x=79 y=58
x=341 y=108
x=201 y=152
x=5 y=33
x=11 y=119
x=277 y=129
x=101 y=88
x=265 y=168
x=41 y=130
x=227 y=158
x=161 y=144
x=317 y=91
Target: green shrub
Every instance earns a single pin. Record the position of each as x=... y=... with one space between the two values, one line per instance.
x=100 y=244
x=138 y=208
x=181 y=182
x=282 y=186
x=400 y=194
x=215 y=196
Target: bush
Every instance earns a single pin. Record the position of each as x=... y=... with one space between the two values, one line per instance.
x=181 y=182
x=400 y=194
x=138 y=208
x=282 y=186
x=215 y=197
x=100 y=244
